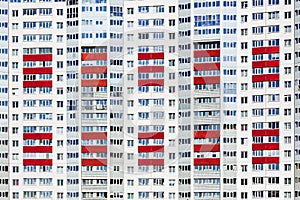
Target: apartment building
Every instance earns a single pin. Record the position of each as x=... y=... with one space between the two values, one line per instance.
x=139 y=99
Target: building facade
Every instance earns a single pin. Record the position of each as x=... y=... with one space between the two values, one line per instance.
x=110 y=99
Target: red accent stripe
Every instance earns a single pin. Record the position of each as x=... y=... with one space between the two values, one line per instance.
x=94 y=56
x=37 y=84
x=93 y=149
x=158 y=135
x=35 y=162
x=206 y=66
x=38 y=70
x=265 y=132
x=151 y=162
x=207 y=80
x=37 y=149
x=150 y=69
x=206 y=53
x=94 y=162
x=265 y=50
x=265 y=77
x=149 y=56
x=265 y=160
x=94 y=136
x=151 y=82
x=93 y=83
x=37 y=136
x=265 y=146
x=151 y=149
x=207 y=147
x=94 y=70
x=267 y=63
x=206 y=134
x=38 y=57
x=206 y=161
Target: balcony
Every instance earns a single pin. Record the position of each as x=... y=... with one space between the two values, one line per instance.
x=207 y=119
x=94 y=108
x=207 y=93
x=207 y=106
x=94 y=95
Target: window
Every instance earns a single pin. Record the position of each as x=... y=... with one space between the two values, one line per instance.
x=287 y=56
x=130 y=50
x=273 y=2
x=59 y=51
x=244 y=18
x=244 y=45
x=171 y=76
x=171 y=36
x=287 y=29
x=244 y=4
x=130 y=11
x=59 y=11
x=60 y=91
x=15 y=52
x=171 y=9
x=172 y=22
x=172 y=89
x=15 y=13
x=59 y=77
x=130 y=143
x=59 y=25
x=15 y=39
x=257 y=2
x=171 y=156
x=287 y=43
x=171 y=49
x=130 y=37
x=273 y=15
x=287 y=15
x=60 y=64
x=59 y=38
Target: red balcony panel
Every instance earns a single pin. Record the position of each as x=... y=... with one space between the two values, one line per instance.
x=93 y=149
x=265 y=132
x=206 y=161
x=155 y=135
x=151 y=82
x=265 y=146
x=265 y=50
x=206 y=66
x=207 y=80
x=37 y=136
x=94 y=70
x=37 y=149
x=207 y=53
x=94 y=162
x=38 y=70
x=265 y=160
x=27 y=84
x=265 y=77
x=207 y=148
x=150 y=69
x=39 y=162
x=93 y=56
x=38 y=57
x=149 y=56
x=151 y=149
x=266 y=63
x=94 y=136
x=151 y=162
x=207 y=134
x=94 y=83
